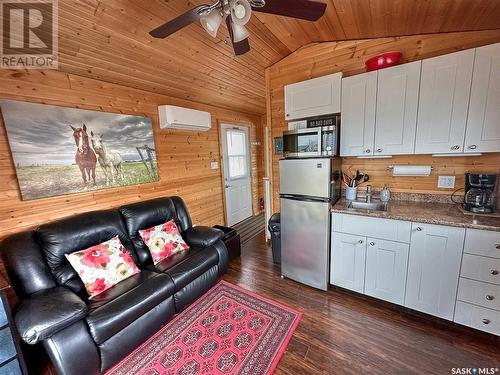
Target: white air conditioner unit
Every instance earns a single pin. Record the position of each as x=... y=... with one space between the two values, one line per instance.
x=172 y=117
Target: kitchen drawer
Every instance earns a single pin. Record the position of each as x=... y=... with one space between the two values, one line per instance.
x=481 y=268
x=479 y=293
x=385 y=229
x=7 y=348
x=482 y=242
x=477 y=317
x=11 y=368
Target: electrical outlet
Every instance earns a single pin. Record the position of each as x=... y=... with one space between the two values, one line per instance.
x=214 y=165
x=446 y=182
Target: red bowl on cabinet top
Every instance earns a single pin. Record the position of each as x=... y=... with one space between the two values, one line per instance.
x=384 y=60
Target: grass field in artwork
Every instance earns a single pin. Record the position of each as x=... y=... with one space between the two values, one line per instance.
x=44 y=181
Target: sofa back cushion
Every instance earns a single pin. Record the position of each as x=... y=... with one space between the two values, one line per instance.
x=25 y=264
x=147 y=214
x=78 y=233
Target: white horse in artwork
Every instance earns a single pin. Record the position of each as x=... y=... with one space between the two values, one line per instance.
x=110 y=162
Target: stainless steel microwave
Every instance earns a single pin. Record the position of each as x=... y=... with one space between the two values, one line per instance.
x=311 y=142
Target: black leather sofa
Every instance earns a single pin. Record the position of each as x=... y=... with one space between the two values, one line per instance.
x=85 y=336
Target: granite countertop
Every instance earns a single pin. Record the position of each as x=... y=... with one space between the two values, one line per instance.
x=425 y=212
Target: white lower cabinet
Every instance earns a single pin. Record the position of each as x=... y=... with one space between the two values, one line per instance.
x=386 y=264
x=434 y=268
x=477 y=317
x=348 y=261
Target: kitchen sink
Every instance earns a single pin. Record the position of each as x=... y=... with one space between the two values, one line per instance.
x=374 y=206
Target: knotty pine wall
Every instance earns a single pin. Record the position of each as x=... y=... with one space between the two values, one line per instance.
x=183 y=157
x=349 y=57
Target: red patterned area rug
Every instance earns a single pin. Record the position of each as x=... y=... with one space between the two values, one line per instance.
x=229 y=330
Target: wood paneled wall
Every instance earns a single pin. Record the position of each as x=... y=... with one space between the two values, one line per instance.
x=349 y=57
x=183 y=157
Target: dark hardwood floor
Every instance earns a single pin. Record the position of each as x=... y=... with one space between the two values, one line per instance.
x=346 y=333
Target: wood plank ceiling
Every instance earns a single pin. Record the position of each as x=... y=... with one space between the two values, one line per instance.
x=108 y=40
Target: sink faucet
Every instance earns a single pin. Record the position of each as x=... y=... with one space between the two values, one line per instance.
x=368 y=193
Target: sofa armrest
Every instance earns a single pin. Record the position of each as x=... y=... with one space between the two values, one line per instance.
x=202 y=236
x=43 y=314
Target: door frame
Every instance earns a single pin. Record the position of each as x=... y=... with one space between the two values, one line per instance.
x=247 y=128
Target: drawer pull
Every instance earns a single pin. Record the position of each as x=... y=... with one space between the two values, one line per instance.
x=494 y=272
x=489 y=297
x=486 y=321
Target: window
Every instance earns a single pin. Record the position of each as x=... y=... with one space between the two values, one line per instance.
x=237 y=153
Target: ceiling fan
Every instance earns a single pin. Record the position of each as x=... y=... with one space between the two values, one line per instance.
x=237 y=14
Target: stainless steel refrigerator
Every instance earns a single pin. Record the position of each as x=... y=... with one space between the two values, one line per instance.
x=308 y=188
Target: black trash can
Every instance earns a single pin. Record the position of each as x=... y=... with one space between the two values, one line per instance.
x=275 y=229
x=231 y=240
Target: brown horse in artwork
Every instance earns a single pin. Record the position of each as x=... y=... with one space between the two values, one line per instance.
x=85 y=157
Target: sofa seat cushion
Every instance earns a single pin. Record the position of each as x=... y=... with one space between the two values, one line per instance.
x=194 y=263
x=119 y=306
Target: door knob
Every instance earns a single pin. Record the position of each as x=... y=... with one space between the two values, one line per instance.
x=472 y=147
x=489 y=297
x=420 y=229
x=228 y=186
x=456 y=147
x=367 y=151
x=497 y=246
x=372 y=243
x=494 y=272
x=360 y=241
x=287 y=115
x=379 y=150
x=486 y=321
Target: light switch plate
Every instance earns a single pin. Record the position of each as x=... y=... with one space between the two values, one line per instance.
x=214 y=165
x=446 y=182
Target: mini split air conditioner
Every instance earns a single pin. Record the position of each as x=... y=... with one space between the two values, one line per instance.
x=172 y=117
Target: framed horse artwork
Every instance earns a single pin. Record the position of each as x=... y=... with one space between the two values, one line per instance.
x=58 y=150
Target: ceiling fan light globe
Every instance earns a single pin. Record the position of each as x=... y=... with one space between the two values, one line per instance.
x=241 y=11
x=212 y=22
x=239 y=33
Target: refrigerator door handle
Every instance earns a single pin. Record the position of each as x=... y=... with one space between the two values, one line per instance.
x=304 y=198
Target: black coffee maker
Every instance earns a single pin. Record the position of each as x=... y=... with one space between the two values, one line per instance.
x=480 y=193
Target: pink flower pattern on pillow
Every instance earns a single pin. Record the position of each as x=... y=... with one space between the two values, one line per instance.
x=163 y=241
x=102 y=266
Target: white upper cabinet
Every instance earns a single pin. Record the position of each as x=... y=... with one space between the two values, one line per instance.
x=359 y=100
x=434 y=268
x=483 y=123
x=397 y=102
x=444 y=99
x=314 y=97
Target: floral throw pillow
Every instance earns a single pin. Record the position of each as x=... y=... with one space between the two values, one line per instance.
x=163 y=241
x=102 y=266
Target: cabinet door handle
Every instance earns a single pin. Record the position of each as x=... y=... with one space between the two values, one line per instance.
x=486 y=321
x=472 y=147
x=367 y=151
x=372 y=243
x=379 y=150
x=360 y=241
x=497 y=246
x=420 y=229
x=494 y=272
x=287 y=115
x=489 y=297
x=456 y=147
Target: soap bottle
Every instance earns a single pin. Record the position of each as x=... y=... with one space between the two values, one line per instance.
x=385 y=194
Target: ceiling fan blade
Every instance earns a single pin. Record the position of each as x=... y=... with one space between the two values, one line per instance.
x=301 y=9
x=178 y=23
x=240 y=48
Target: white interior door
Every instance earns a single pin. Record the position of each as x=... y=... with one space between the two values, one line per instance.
x=238 y=186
